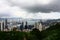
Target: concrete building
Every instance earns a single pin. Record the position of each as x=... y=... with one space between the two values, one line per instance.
x=6 y=26
x=2 y=26
x=39 y=26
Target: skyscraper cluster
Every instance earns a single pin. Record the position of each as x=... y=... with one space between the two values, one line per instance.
x=3 y=25
x=23 y=26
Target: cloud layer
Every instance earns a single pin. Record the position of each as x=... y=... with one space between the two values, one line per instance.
x=30 y=9
x=36 y=6
x=52 y=7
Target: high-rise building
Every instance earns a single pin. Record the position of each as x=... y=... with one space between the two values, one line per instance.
x=22 y=26
x=1 y=25
x=39 y=26
x=26 y=26
x=6 y=26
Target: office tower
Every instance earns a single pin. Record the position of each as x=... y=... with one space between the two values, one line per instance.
x=6 y=26
x=38 y=25
x=41 y=26
x=26 y=26
x=1 y=26
x=35 y=25
x=21 y=27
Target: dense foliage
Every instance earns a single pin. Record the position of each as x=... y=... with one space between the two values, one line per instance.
x=52 y=33
x=11 y=35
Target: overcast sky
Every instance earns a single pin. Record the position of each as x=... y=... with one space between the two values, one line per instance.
x=36 y=9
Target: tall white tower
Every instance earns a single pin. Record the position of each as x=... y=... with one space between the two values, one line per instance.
x=38 y=25
x=1 y=25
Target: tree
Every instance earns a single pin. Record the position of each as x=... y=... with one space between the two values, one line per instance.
x=37 y=34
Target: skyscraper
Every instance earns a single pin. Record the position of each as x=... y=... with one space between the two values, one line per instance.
x=26 y=26
x=1 y=25
x=38 y=25
x=21 y=27
x=6 y=26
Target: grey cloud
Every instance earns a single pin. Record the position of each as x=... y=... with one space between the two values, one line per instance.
x=53 y=7
x=13 y=8
x=38 y=9
x=4 y=15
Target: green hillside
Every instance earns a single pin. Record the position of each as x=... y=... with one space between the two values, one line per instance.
x=52 y=33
